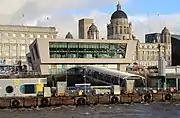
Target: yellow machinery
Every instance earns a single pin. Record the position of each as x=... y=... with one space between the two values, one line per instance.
x=39 y=89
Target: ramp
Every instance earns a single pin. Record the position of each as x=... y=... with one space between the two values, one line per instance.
x=105 y=75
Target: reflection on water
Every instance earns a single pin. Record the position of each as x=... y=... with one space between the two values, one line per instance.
x=154 y=110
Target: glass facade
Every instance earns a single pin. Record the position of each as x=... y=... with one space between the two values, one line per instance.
x=58 y=68
x=87 y=50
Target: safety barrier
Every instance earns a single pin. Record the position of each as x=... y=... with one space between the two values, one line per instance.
x=19 y=102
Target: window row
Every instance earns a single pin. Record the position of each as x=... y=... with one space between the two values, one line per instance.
x=17 y=41
x=88 y=45
x=148 y=46
x=27 y=35
x=119 y=30
x=87 y=55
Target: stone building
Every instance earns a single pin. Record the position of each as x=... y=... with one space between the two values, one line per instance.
x=148 y=52
x=15 y=41
x=93 y=32
x=69 y=36
x=119 y=27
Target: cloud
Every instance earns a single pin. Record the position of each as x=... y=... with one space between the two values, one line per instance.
x=36 y=12
x=141 y=23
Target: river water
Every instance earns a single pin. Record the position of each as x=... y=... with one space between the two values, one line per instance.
x=153 y=110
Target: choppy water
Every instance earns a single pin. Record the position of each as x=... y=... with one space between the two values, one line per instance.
x=154 y=110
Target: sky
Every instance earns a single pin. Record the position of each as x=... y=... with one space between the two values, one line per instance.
x=147 y=16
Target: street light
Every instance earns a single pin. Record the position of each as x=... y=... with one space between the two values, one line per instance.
x=119 y=82
x=66 y=75
x=84 y=76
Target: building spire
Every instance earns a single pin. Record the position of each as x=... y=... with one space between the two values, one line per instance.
x=118 y=6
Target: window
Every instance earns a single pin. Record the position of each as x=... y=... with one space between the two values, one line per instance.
x=7 y=54
x=38 y=36
x=45 y=36
x=9 y=89
x=125 y=30
x=23 y=41
x=23 y=47
x=28 y=89
x=12 y=40
x=22 y=35
x=120 y=30
x=87 y=50
x=6 y=34
x=14 y=35
x=14 y=47
x=31 y=36
x=116 y=30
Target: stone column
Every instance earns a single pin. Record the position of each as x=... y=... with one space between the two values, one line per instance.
x=177 y=83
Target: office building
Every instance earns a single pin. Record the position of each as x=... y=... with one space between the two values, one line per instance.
x=15 y=41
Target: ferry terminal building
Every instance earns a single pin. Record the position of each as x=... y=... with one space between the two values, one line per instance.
x=120 y=49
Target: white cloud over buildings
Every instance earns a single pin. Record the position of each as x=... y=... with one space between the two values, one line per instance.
x=35 y=12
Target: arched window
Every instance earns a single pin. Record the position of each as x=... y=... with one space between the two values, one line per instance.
x=120 y=30
x=125 y=30
x=116 y=30
x=112 y=32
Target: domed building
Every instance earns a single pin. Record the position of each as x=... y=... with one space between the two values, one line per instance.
x=93 y=32
x=68 y=36
x=119 y=27
x=165 y=36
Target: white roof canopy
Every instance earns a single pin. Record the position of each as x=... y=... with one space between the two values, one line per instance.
x=111 y=72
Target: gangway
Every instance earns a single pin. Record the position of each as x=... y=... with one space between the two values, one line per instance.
x=127 y=81
x=109 y=75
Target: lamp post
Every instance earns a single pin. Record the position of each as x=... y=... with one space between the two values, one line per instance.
x=66 y=75
x=119 y=82
x=84 y=76
x=162 y=66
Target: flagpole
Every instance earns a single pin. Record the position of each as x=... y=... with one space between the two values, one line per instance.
x=160 y=21
x=20 y=44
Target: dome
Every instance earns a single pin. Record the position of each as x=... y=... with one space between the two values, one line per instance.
x=119 y=13
x=69 y=36
x=93 y=28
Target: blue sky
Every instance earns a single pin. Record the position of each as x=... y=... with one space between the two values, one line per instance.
x=142 y=14
x=135 y=7
x=138 y=7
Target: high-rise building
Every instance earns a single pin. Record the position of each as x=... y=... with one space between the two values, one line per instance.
x=84 y=25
